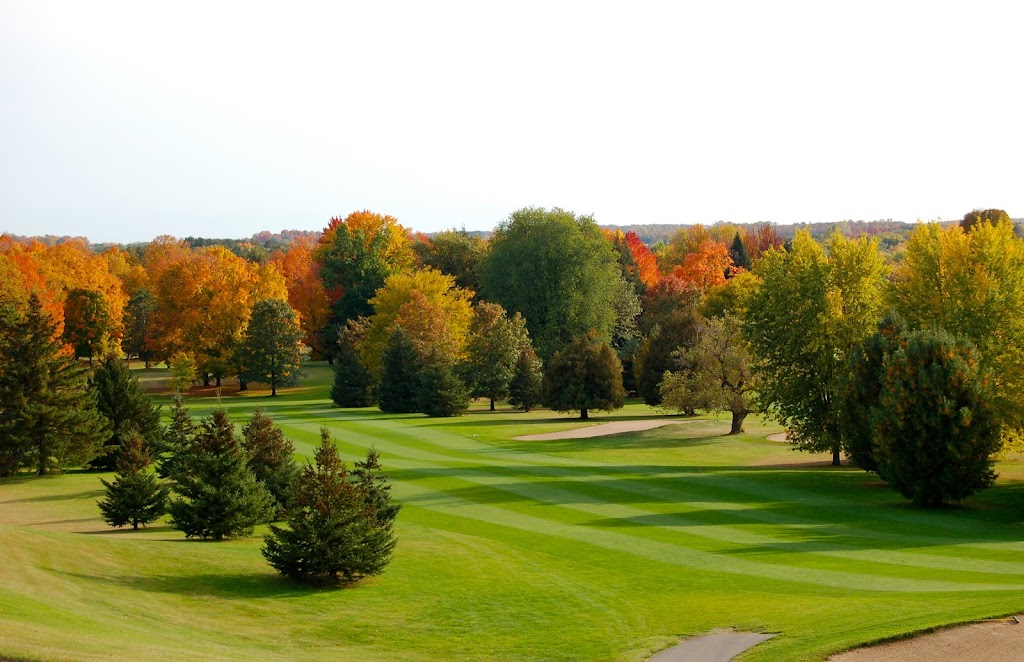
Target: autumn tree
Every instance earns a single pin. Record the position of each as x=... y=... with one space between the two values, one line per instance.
x=218 y=495
x=970 y=284
x=585 y=375
x=271 y=458
x=87 y=323
x=715 y=374
x=557 y=270
x=355 y=256
x=135 y=496
x=814 y=307
x=434 y=314
x=50 y=419
x=706 y=268
x=270 y=351
x=129 y=411
x=306 y=294
x=495 y=344
x=340 y=526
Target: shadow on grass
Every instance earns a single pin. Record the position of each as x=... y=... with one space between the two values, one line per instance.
x=125 y=530
x=71 y=496
x=237 y=586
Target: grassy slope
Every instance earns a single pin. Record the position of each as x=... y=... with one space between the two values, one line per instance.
x=605 y=548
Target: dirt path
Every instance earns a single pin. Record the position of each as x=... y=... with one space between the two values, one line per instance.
x=715 y=647
x=992 y=641
x=615 y=427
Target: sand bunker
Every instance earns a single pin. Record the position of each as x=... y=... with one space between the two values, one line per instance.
x=615 y=427
x=992 y=641
x=778 y=436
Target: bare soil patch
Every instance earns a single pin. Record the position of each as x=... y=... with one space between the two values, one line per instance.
x=992 y=641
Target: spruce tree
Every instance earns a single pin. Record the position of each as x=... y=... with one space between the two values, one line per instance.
x=50 y=416
x=124 y=405
x=135 y=497
x=353 y=383
x=399 y=380
x=178 y=439
x=526 y=389
x=271 y=457
x=218 y=495
x=339 y=526
x=441 y=393
x=739 y=254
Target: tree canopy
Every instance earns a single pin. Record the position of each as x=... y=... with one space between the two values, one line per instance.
x=557 y=270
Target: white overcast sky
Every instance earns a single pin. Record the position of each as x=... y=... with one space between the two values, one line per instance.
x=122 y=121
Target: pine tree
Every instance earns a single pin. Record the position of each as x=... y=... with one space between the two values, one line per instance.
x=50 y=417
x=178 y=440
x=399 y=380
x=739 y=254
x=124 y=405
x=271 y=457
x=135 y=497
x=219 y=497
x=353 y=383
x=339 y=524
x=526 y=389
x=441 y=393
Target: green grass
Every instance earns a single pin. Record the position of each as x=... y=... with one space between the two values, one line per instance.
x=594 y=549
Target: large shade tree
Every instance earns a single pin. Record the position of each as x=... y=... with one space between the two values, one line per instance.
x=270 y=351
x=814 y=306
x=583 y=376
x=557 y=270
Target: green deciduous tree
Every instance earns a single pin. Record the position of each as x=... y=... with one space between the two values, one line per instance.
x=135 y=497
x=585 y=375
x=935 y=428
x=814 y=307
x=716 y=373
x=456 y=253
x=340 y=524
x=50 y=419
x=654 y=357
x=993 y=216
x=495 y=344
x=138 y=314
x=270 y=349
x=218 y=494
x=557 y=270
x=271 y=458
x=128 y=410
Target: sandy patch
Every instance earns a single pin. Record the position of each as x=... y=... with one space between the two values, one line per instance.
x=992 y=641
x=604 y=429
x=778 y=436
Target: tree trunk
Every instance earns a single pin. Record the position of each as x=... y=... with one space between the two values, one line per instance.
x=737 y=422
x=135 y=526
x=492 y=404
x=243 y=385
x=206 y=379
x=583 y=415
x=835 y=456
x=273 y=389
x=218 y=381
